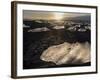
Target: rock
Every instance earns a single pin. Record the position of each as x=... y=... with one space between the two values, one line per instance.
x=67 y=53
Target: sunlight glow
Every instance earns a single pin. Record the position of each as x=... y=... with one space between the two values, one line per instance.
x=58 y=16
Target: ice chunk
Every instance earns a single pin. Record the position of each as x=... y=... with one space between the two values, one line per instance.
x=67 y=53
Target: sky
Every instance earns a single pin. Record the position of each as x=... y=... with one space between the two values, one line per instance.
x=47 y=15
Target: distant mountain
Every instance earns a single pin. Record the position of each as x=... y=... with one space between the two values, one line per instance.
x=81 y=18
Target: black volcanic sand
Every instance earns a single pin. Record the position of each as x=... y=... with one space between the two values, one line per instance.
x=34 y=43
